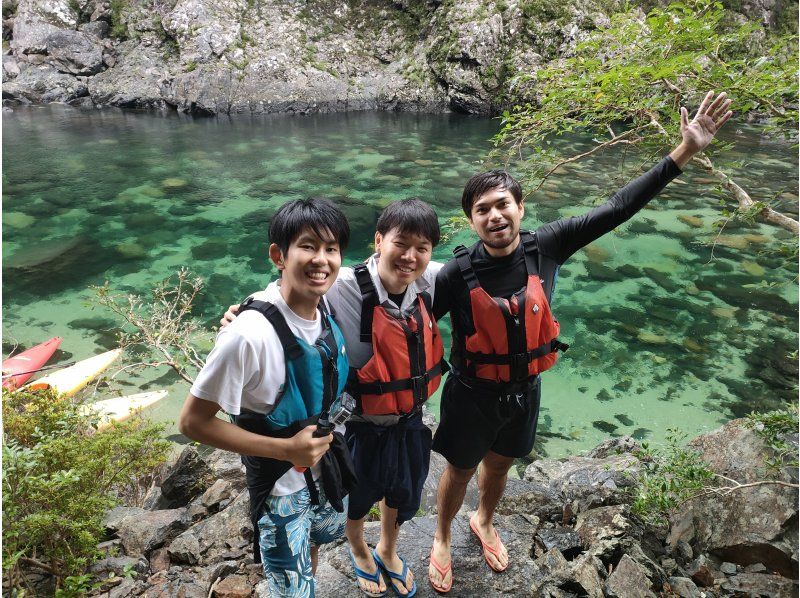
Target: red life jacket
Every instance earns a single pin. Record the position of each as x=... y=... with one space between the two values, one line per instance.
x=510 y=340
x=408 y=358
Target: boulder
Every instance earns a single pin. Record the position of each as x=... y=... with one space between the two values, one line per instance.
x=229 y=525
x=226 y=465
x=220 y=490
x=119 y=566
x=36 y=20
x=628 y=580
x=750 y=525
x=185 y=478
x=563 y=538
x=684 y=587
x=74 y=52
x=137 y=80
x=234 y=586
x=760 y=584
x=43 y=84
x=142 y=533
x=603 y=523
x=585 y=481
x=185 y=549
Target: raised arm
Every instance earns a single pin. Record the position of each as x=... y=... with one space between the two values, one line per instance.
x=562 y=238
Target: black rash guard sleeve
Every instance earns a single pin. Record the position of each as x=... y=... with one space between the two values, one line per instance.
x=560 y=239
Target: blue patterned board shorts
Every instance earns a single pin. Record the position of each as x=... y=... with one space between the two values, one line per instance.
x=287 y=530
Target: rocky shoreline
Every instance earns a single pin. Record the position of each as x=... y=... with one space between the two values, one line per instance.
x=207 y=57
x=567 y=524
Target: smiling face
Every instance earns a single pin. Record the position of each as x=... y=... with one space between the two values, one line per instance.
x=403 y=258
x=495 y=217
x=308 y=269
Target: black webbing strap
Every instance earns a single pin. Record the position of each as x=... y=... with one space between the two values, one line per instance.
x=291 y=347
x=531 y=251
x=465 y=265
x=369 y=300
x=527 y=357
x=379 y=388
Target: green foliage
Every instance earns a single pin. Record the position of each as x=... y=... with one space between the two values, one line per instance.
x=190 y=66
x=633 y=75
x=59 y=478
x=670 y=476
x=773 y=427
x=119 y=28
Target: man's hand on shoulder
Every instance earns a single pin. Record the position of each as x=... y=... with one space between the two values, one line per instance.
x=229 y=316
x=304 y=449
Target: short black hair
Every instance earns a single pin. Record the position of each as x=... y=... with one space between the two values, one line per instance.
x=410 y=216
x=486 y=181
x=319 y=214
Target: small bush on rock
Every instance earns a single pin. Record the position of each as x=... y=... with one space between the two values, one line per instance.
x=59 y=479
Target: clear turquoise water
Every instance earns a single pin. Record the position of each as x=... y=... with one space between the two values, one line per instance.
x=663 y=334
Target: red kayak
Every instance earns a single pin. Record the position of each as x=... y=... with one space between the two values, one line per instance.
x=27 y=361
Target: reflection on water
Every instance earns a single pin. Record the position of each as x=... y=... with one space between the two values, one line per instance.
x=662 y=335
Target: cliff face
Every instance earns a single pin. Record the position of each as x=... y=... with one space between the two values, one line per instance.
x=260 y=56
x=257 y=56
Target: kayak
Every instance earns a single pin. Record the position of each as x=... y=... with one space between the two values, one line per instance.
x=70 y=380
x=27 y=362
x=121 y=408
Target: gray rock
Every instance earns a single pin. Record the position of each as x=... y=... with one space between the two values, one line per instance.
x=43 y=84
x=564 y=539
x=684 y=587
x=750 y=525
x=523 y=496
x=212 y=533
x=144 y=532
x=628 y=580
x=226 y=465
x=728 y=568
x=755 y=568
x=220 y=490
x=35 y=20
x=603 y=523
x=10 y=67
x=185 y=478
x=119 y=566
x=185 y=549
x=702 y=571
x=615 y=446
x=74 y=52
x=112 y=520
x=137 y=80
x=760 y=584
x=587 y=572
x=98 y=29
x=435 y=470
x=552 y=569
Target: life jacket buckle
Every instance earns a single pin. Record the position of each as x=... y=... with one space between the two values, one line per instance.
x=519 y=362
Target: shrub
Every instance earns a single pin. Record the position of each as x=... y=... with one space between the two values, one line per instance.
x=59 y=478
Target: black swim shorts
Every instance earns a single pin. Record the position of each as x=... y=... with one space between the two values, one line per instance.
x=474 y=421
x=391 y=462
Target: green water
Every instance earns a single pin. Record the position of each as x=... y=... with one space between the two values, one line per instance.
x=663 y=334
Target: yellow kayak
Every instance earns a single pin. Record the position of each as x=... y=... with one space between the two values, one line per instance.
x=70 y=380
x=121 y=408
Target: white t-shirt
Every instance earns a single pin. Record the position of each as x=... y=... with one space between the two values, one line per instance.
x=246 y=368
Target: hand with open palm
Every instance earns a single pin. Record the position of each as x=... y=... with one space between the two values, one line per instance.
x=699 y=132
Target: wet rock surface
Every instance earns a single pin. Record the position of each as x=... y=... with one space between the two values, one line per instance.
x=569 y=532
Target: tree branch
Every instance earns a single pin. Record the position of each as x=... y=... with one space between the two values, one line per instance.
x=766 y=214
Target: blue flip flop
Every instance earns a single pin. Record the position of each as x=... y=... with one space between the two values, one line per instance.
x=401 y=577
x=373 y=577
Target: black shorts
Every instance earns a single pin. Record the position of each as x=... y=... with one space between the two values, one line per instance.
x=474 y=421
x=391 y=462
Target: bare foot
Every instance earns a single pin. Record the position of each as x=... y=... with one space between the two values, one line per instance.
x=364 y=561
x=494 y=551
x=395 y=565
x=440 y=570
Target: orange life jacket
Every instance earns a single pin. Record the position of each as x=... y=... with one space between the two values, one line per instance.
x=509 y=340
x=408 y=358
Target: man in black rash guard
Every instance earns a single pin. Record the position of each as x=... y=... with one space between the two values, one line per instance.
x=495 y=423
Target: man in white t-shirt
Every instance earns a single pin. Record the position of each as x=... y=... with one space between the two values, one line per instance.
x=274 y=370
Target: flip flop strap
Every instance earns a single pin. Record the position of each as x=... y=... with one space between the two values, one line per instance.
x=363 y=574
x=442 y=570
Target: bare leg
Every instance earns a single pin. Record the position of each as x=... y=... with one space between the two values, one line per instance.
x=354 y=530
x=491 y=485
x=387 y=547
x=314 y=559
x=449 y=498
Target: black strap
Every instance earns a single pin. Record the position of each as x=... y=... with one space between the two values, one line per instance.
x=531 y=251
x=291 y=348
x=312 y=487
x=380 y=388
x=465 y=265
x=369 y=300
x=528 y=356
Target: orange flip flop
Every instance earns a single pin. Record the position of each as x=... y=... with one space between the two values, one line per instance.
x=486 y=548
x=443 y=589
